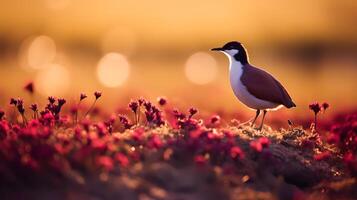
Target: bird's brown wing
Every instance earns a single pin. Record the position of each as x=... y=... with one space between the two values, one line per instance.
x=264 y=86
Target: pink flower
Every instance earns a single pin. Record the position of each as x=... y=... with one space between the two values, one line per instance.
x=325 y=105
x=192 y=112
x=82 y=96
x=20 y=106
x=256 y=146
x=155 y=142
x=33 y=107
x=236 y=152
x=133 y=105
x=4 y=129
x=315 y=107
x=162 y=101
x=322 y=156
x=138 y=134
x=122 y=159
x=264 y=141
x=141 y=101
x=51 y=99
x=97 y=94
x=29 y=87
x=105 y=162
x=13 y=101
x=178 y=115
x=2 y=114
x=125 y=121
x=99 y=145
x=259 y=144
x=200 y=160
x=215 y=119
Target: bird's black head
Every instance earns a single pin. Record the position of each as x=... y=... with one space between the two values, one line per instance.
x=234 y=49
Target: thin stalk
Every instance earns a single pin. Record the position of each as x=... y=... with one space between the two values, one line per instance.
x=138 y=121
x=136 y=118
x=315 y=121
x=90 y=109
x=76 y=114
x=24 y=120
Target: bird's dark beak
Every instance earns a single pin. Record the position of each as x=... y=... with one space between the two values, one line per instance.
x=217 y=49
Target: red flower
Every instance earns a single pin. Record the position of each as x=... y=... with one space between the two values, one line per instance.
x=325 y=105
x=192 y=112
x=4 y=129
x=200 y=160
x=82 y=96
x=29 y=87
x=256 y=146
x=20 y=106
x=322 y=156
x=141 y=101
x=61 y=102
x=236 y=152
x=162 y=101
x=13 y=101
x=52 y=100
x=133 y=105
x=315 y=107
x=259 y=144
x=33 y=107
x=138 y=134
x=122 y=159
x=97 y=94
x=2 y=113
x=215 y=119
x=178 y=115
x=125 y=121
x=264 y=141
x=105 y=162
x=155 y=142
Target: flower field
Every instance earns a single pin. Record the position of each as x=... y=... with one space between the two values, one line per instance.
x=151 y=150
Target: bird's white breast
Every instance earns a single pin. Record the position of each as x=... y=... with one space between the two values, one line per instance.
x=241 y=92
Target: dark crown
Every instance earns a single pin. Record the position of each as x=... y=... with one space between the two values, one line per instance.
x=233 y=45
x=241 y=56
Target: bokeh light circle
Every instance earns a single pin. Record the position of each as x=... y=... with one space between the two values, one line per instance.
x=41 y=52
x=53 y=80
x=113 y=69
x=201 y=68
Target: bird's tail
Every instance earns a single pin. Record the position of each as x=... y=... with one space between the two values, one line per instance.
x=290 y=104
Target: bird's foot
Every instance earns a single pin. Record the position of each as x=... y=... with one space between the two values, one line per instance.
x=259 y=128
x=249 y=122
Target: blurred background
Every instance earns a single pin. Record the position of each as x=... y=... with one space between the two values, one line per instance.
x=128 y=49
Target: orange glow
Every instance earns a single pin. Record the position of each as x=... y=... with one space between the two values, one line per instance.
x=201 y=68
x=57 y=4
x=113 y=70
x=53 y=80
x=119 y=40
x=41 y=52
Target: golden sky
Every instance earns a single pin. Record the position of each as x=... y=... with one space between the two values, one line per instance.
x=181 y=23
x=150 y=48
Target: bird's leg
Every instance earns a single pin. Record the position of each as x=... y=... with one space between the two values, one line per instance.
x=255 y=118
x=261 y=125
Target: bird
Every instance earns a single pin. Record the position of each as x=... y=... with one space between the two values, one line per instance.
x=254 y=87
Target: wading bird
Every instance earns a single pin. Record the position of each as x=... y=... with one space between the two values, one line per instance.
x=254 y=87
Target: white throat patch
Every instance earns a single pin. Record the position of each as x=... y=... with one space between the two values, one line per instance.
x=231 y=52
